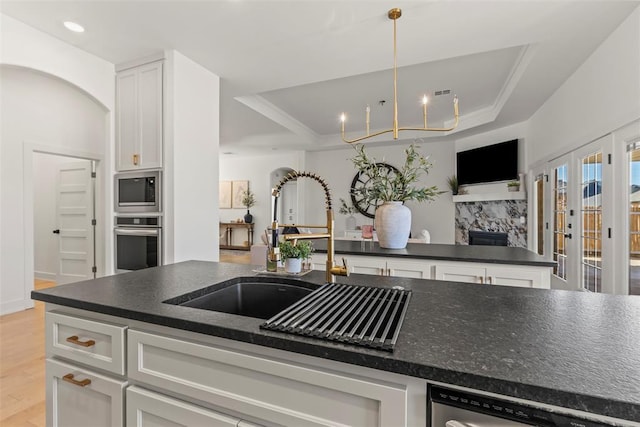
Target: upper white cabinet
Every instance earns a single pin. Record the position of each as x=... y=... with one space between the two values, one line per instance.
x=139 y=117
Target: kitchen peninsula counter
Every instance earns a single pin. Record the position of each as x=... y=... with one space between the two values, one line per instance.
x=576 y=350
x=441 y=252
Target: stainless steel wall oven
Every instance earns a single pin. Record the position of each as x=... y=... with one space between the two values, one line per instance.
x=138 y=242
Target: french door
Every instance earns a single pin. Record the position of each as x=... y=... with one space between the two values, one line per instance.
x=581 y=214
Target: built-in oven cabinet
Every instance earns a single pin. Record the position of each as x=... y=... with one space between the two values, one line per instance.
x=139 y=124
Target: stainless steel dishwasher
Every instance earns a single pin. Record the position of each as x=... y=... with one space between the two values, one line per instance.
x=455 y=408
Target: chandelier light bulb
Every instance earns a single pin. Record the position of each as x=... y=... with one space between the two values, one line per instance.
x=425 y=100
x=343 y=118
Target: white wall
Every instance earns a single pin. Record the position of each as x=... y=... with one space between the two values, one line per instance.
x=52 y=113
x=337 y=169
x=257 y=170
x=191 y=160
x=601 y=96
x=45 y=175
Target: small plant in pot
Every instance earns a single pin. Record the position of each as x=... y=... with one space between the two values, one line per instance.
x=248 y=200
x=513 y=185
x=390 y=190
x=293 y=254
x=455 y=188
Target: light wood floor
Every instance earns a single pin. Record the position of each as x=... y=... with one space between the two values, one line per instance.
x=22 y=377
x=237 y=257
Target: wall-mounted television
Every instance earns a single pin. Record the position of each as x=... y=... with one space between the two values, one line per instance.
x=491 y=163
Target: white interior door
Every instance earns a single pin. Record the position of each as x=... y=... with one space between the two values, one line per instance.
x=74 y=213
x=289 y=197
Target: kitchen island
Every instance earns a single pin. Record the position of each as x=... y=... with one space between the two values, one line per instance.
x=494 y=265
x=568 y=349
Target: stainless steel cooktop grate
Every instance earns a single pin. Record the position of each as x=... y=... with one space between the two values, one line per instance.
x=361 y=315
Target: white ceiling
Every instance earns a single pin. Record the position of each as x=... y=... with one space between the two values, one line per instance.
x=289 y=68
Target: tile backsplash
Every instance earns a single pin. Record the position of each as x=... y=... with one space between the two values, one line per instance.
x=497 y=216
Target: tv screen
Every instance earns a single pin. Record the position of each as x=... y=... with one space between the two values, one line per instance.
x=497 y=162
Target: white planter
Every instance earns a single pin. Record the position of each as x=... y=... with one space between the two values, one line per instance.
x=293 y=265
x=393 y=224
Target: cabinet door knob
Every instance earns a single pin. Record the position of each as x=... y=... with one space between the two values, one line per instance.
x=75 y=340
x=481 y=280
x=70 y=379
x=489 y=280
x=135 y=159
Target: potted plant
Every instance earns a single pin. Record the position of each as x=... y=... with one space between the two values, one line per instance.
x=390 y=190
x=513 y=185
x=452 y=182
x=348 y=209
x=248 y=200
x=293 y=254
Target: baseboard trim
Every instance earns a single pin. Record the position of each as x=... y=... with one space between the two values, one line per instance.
x=15 y=306
x=43 y=275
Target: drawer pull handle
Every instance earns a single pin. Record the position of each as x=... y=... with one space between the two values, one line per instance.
x=69 y=378
x=74 y=340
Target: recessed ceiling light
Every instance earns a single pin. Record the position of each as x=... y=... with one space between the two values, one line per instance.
x=72 y=26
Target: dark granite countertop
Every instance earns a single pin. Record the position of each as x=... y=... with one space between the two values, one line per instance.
x=466 y=253
x=572 y=349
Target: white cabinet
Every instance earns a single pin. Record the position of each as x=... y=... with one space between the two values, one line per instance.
x=97 y=344
x=139 y=125
x=81 y=397
x=149 y=409
x=455 y=271
x=264 y=389
x=498 y=274
x=378 y=266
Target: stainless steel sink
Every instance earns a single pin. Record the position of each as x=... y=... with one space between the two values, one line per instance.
x=260 y=297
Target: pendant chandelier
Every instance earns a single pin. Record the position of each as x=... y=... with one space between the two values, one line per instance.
x=394 y=14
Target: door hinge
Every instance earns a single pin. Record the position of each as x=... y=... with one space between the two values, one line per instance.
x=94 y=269
x=546 y=178
x=546 y=225
x=93 y=222
x=609 y=158
x=609 y=232
x=93 y=175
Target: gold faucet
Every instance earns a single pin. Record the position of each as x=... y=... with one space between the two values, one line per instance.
x=274 y=253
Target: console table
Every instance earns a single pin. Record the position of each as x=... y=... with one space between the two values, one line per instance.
x=228 y=240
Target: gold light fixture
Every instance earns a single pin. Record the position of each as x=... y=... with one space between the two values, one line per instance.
x=394 y=14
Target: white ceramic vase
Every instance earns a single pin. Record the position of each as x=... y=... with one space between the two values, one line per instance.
x=293 y=265
x=393 y=224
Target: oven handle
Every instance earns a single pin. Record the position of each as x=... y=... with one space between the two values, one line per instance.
x=138 y=232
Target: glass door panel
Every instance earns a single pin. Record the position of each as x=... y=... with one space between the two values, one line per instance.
x=591 y=230
x=560 y=193
x=634 y=220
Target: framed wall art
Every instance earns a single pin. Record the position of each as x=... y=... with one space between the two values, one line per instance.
x=237 y=188
x=224 y=195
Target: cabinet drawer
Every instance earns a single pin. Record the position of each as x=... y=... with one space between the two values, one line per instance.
x=83 y=398
x=97 y=344
x=146 y=408
x=265 y=389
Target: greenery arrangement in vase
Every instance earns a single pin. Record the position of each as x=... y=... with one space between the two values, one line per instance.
x=293 y=254
x=391 y=190
x=348 y=209
x=248 y=200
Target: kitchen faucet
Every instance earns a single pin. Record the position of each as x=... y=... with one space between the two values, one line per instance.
x=274 y=252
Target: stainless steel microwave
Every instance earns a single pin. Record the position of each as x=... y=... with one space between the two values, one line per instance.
x=138 y=192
